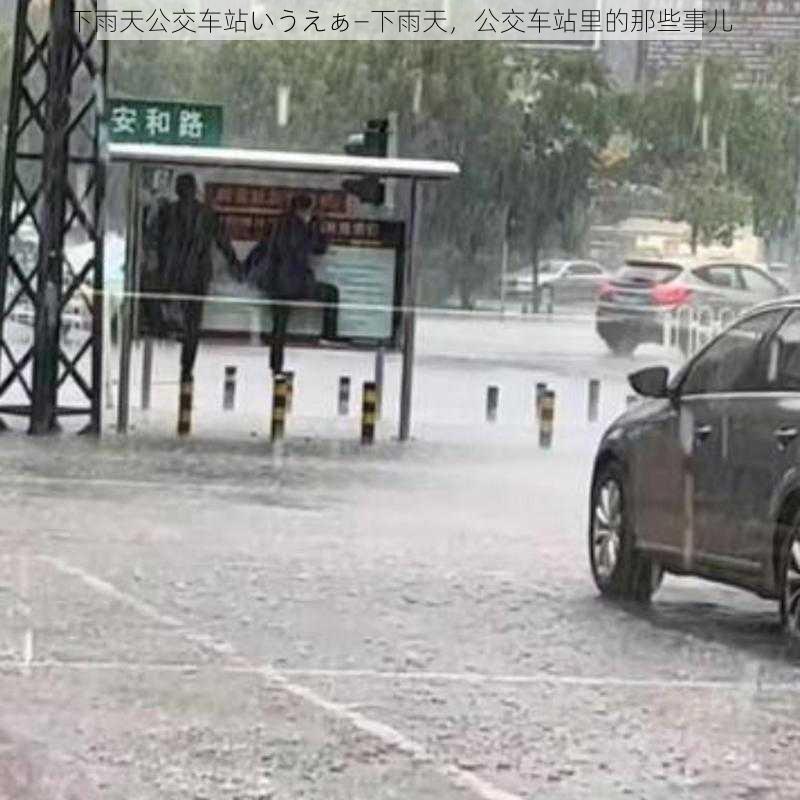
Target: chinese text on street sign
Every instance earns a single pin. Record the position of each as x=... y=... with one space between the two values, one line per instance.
x=157 y=122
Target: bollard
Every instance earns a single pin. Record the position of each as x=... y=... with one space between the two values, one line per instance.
x=368 y=408
x=289 y=390
x=229 y=388
x=594 y=399
x=279 y=391
x=344 y=396
x=185 y=408
x=550 y=300
x=492 y=401
x=147 y=373
x=547 y=412
x=379 y=370
x=541 y=388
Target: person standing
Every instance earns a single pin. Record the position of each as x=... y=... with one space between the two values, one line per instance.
x=187 y=229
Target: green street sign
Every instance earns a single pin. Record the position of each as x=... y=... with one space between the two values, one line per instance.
x=157 y=122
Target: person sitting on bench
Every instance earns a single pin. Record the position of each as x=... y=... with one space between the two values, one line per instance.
x=281 y=267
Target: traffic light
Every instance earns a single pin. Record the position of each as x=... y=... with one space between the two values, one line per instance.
x=373 y=142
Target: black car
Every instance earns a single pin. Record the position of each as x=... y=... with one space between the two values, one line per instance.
x=703 y=478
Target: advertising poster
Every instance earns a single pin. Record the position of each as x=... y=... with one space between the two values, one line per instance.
x=363 y=260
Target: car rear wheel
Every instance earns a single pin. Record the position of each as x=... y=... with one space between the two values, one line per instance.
x=618 y=569
x=620 y=344
x=790 y=584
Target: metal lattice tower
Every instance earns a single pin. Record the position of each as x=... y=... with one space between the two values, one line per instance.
x=52 y=196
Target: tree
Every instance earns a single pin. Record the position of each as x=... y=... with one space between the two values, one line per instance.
x=563 y=123
x=704 y=197
x=752 y=137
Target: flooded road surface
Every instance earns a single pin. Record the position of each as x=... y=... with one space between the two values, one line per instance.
x=220 y=618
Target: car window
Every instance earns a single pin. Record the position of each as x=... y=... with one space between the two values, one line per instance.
x=584 y=269
x=726 y=277
x=731 y=363
x=783 y=363
x=755 y=281
x=648 y=274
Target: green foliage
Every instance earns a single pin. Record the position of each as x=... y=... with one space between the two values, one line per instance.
x=752 y=136
x=702 y=195
x=563 y=123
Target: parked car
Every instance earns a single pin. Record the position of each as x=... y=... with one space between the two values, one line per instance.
x=569 y=281
x=703 y=477
x=631 y=306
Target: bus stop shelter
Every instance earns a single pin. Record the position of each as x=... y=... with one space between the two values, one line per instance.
x=410 y=171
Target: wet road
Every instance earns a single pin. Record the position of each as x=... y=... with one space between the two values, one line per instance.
x=221 y=619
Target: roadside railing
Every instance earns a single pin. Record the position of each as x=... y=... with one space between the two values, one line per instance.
x=691 y=328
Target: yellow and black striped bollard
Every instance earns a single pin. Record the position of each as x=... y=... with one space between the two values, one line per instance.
x=369 y=406
x=541 y=388
x=279 y=393
x=547 y=410
x=185 y=408
x=289 y=390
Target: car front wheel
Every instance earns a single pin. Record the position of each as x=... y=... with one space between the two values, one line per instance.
x=618 y=569
x=790 y=584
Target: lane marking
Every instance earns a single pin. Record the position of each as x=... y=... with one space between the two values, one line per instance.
x=458 y=777
x=125 y=483
x=533 y=679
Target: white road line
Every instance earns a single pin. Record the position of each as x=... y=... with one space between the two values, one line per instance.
x=533 y=679
x=458 y=777
x=125 y=483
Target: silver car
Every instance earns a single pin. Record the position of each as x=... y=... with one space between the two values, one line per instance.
x=563 y=282
x=703 y=478
x=631 y=306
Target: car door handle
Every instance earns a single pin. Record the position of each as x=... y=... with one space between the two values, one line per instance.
x=702 y=432
x=785 y=435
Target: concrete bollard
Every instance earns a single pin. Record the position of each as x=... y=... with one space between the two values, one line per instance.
x=289 y=390
x=229 y=389
x=547 y=412
x=368 y=412
x=147 y=373
x=541 y=388
x=279 y=391
x=594 y=399
x=185 y=408
x=344 y=396
x=492 y=401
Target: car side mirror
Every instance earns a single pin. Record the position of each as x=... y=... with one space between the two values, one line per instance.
x=650 y=382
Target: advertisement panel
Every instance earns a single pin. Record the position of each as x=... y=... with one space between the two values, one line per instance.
x=362 y=260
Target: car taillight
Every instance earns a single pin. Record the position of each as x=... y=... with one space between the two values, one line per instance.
x=606 y=291
x=671 y=294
